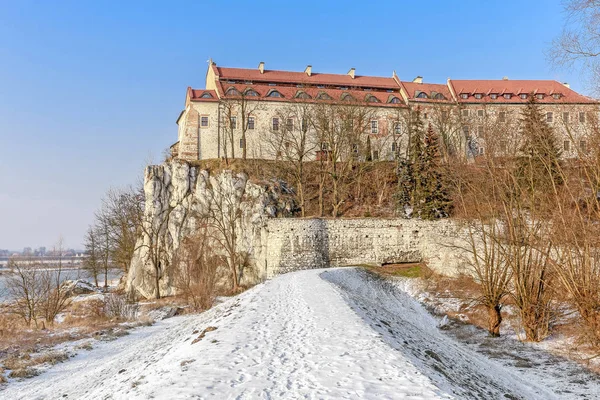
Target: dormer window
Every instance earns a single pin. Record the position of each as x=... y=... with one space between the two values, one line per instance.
x=302 y=95
x=439 y=96
x=274 y=93
x=394 y=100
x=493 y=96
x=251 y=92
x=539 y=96
x=372 y=99
x=206 y=95
x=323 y=96
x=478 y=96
x=507 y=96
x=556 y=96
x=347 y=97
x=343 y=88
x=232 y=92
x=523 y=96
x=422 y=95
x=464 y=96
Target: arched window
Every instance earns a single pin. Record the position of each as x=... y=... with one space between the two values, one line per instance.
x=372 y=99
x=422 y=95
x=274 y=93
x=394 y=100
x=439 y=96
x=232 y=92
x=324 y=96
x=206 y=95
x=302 y=95
x=347 y=97
x=251 y=92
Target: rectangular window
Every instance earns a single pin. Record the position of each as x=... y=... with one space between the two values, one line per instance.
x=242 y=143
x=424 y=115
x=275 y=124
x=549 y=117
x=397 y=128
x=502 y=116
x=581 y=117
x=375 y=154
x=566 y=145
x=233 y=122
x=480 y=113
x=583 y=146
x=251 y=123
x=324 y=146
x=394 y=147
x=304 y=125
x=465 y=113
x=481 y=151
x=466 y=130
x=565 y=117
x=290 y=124
x=480 y=130
x=204 y=121
x=444 y=115
x=374 y=126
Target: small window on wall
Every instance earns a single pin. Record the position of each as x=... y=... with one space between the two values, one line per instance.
x=304 y=125
x=204 y=121
x=275 y=124
x=465 y=113
x=394 y=147
x=480 y=130
x=242 y=143
x=233 y=122
x=480 y=113
x=289 y=124
x=549 y=117
x=375 y=154
x=582 y=117
x=466 y=130
x=481 y=151
x=502 y=116
x=251 y=123
x=567 y=145
x=444 y=115
x=583 y=146
x=565 y=117
x=374 y=126
x=397 y=128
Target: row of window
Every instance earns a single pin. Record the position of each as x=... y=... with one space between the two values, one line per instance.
x=583 y=147
x=508 y=96
x=549 y=115
x=303 y=95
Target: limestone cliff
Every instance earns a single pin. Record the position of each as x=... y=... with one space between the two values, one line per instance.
x=176 y=195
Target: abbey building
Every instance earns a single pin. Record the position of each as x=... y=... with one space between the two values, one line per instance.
x=268 y=114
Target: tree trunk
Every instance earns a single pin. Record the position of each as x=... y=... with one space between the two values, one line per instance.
x=494 y=320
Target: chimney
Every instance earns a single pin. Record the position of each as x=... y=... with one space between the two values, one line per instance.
x=351 y=72
x=505 y=78
x=261 y=67
x=566 y=84
x=418 y=79
x=308 y=70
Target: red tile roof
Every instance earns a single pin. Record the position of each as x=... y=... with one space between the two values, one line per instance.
x=202 y=95
x=413 y=89
x=316 y=78
x=289 y=94
x=515 y=88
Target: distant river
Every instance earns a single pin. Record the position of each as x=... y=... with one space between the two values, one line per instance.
x=66 y=274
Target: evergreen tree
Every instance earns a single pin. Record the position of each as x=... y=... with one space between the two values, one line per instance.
x=435 y=199
x=538 y=165
x=368 y=152
x=409 y=169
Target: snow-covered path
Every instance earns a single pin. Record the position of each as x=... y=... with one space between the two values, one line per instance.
x=310 y=334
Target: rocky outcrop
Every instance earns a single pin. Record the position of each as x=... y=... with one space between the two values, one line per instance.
x=177 y=196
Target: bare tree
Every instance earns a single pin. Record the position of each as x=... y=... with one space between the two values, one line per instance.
x=238 y=109
x=55 y=297
x=579 y=42
x=92 y=263
x=26 y=291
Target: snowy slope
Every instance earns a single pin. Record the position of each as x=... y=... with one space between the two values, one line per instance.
x=310 y=334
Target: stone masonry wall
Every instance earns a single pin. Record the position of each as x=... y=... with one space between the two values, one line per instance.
x=294 y=244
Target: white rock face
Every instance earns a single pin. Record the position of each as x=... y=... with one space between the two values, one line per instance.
x=176 y=195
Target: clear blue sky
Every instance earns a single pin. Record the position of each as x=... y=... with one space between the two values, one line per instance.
x=90 y=90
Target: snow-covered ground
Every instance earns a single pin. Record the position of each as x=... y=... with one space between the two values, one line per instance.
x=337 y=333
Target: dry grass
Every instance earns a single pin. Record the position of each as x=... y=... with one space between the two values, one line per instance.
x=405 y=270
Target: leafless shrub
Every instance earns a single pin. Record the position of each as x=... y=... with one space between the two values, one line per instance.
x=117 y=306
